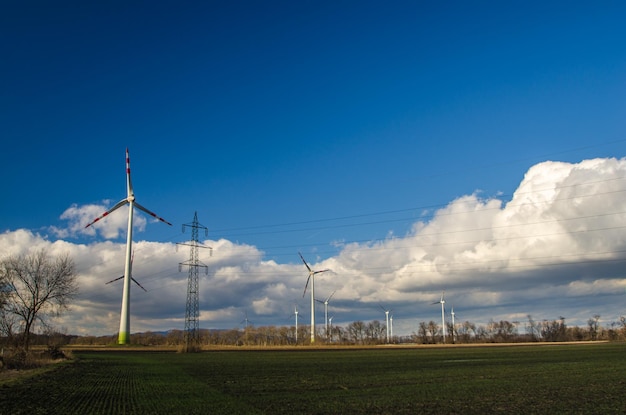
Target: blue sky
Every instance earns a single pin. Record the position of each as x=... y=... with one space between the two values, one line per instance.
x=297 y=126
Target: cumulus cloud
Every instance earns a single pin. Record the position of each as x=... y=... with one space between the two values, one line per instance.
x=557 y=247
x=78 y=217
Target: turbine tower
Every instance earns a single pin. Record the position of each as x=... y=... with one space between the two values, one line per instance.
x=330 y=327
x=443 y=315
x=311 y=278
x=124 y=333
x=192 y=311
x=296 y=313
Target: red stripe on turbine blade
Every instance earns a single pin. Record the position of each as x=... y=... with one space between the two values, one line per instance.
x=117 y=206
x=305 y=264
x=138 y=206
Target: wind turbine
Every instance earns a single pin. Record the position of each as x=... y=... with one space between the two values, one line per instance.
x=386 y=320
x=124 y=334
x=443 y=316
x=325 y=302
x=246 y=321
x=311 y=278
x=391 y=325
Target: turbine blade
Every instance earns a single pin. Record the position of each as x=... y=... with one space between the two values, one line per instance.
x=151 y=213
x=140 y=286
x=319 y=301
x=117 y=206
x=319 y=272
x=129 y=185
x=119 y=278
x=330 y=296
x=306 y=285
x=307 y=265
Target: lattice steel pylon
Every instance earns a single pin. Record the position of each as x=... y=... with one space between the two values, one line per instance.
x=192 y=312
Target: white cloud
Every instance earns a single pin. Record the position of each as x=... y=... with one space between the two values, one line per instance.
x=556 y=248
x=112 y=227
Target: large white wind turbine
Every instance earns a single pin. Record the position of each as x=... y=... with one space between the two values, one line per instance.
x=311 y=278
x=325 y=302
x=443 y=316
x=124 y=334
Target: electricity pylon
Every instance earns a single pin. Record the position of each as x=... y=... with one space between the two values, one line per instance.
x=192 y=312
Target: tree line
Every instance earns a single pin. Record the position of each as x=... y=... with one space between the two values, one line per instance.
x=374 y=333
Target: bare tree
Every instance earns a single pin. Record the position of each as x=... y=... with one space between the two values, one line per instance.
x=467 y=331
x=554 y=331
x=533 y=329
x=356 y=332
x=502 y=331
x=594 y=326
x=374 y=332
x=41 y=287
x=422 y=332
x=433 y=330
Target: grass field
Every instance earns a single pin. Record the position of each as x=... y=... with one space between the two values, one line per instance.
x=545 y=379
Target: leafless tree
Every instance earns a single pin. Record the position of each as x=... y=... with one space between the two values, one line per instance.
x=422 y=332
x=501 y=331
x=594 y=326
x=374 y=332
x=554 y=331
x=356 y=332
x=433 y=330
x=533 y=329
x=41 y=287
x=467 y=331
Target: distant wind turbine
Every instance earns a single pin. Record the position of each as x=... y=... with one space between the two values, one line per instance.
x=246 y=321
x=311 y=278
x=386 y=320
x=124 y=334
x=442 y=301
x=325 y=302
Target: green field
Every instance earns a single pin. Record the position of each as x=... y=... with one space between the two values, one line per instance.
x=589 y=378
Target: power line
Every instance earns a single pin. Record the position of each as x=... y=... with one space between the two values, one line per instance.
x=422 y=208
